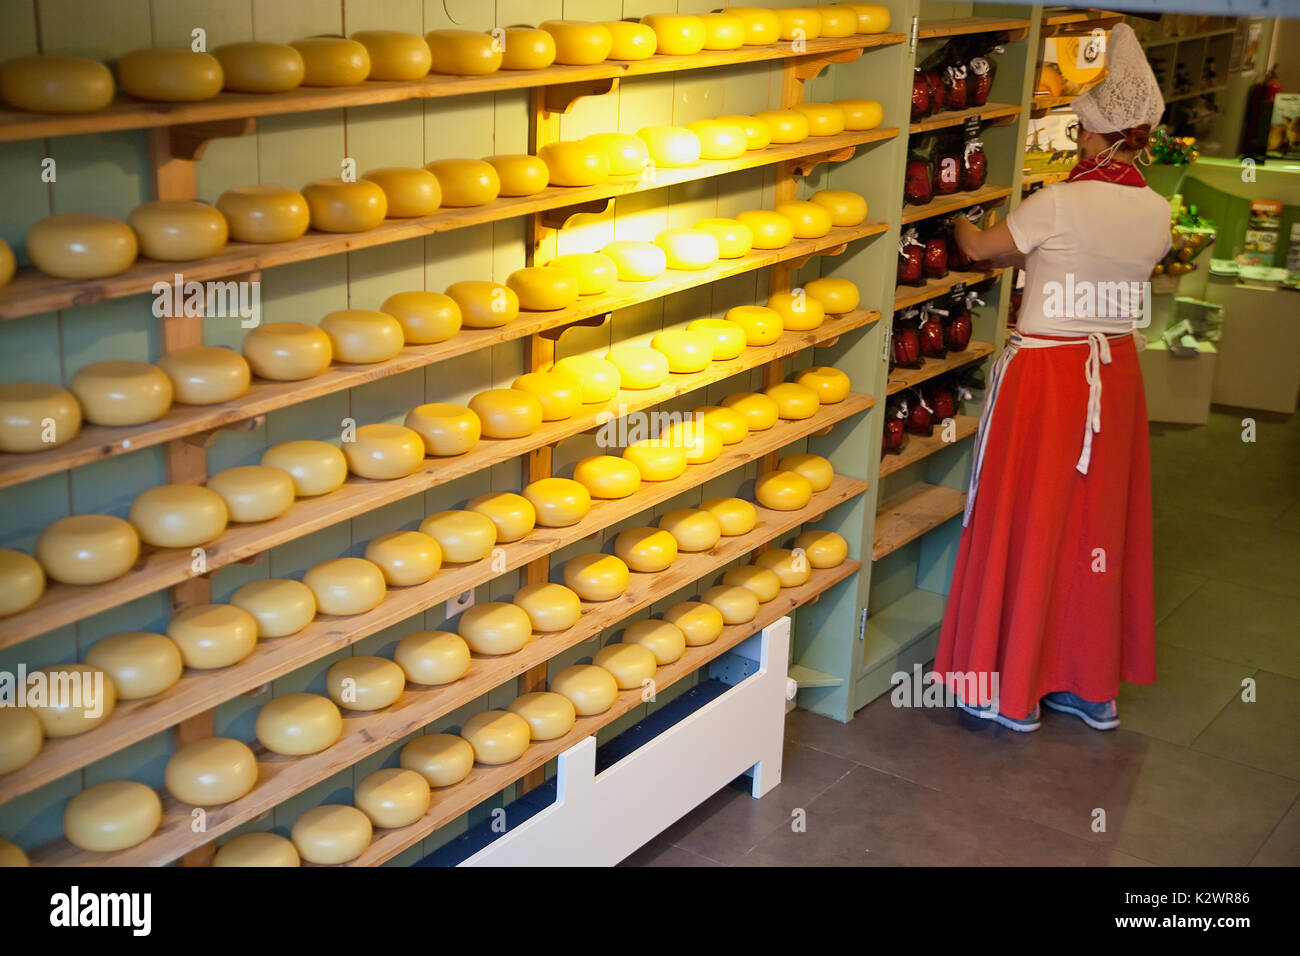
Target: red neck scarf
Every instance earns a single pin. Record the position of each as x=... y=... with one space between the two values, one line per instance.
x=1122 y=174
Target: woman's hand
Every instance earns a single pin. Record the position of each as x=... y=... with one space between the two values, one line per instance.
x=994 y=245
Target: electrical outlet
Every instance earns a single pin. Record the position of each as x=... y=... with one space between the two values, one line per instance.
x=461 y=602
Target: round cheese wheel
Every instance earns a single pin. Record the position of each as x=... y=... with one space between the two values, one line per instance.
x=27 y=410
x=670 y=146
x=405 y=557
x=810 y=220
x=675 y=34
x=595 y=271
x=733 y=237
x=441 y=759
x=464 y=52
x=762 y=326
x=647 y=550
x=22 y=580
x=656 y=460
x=497 y=736
x=758 y=134
x=79 y=698
x=541 y=289
x=484 y=305
x=251 y=67
x=688 y=249
x=339 y=206
x=837 y=20
x=730 y=425
x=298 y=724
x=254 y=492
x=287 y=351
x=140 y=664
x=860 y=114
x=12 y=855
x=507 y=412
x=799 y=23
x=21 y=738
x=549 y=715
x=80 y=246
x=527 y=49
x=184 y=516
x=464 y=536
x=837 y=296
x=823 y=549
x=363 y=336
x=845 y=208
x=408 y=193
x=783 y=490
x=578 y=43
x=445 y=429
x=702 y=444
x=333 y=61
x=735 y=515
x=639 y=366
x=122 y=392
x=393 y=797
x=264 y=213
x=794 y=402
x=520 y=174
x=693 y=528
x=432 y=657
x=212 y=771
x=759 y=410
x=762 y=26
x=665 y=641
x=87 y=549
x=598 y=379
x=211 y=636
x=872 y=17
x=636 y=261
x=56 y=84
x=384 y=452
x=206 y=375
x=631 y=41
x=685 y=350
x=787 y=126
x=596 y=577
x=170 y=75
x=737 y=605
x=824 y=119
x=699 y=623
x=605 y=476
x=513 y=515
x=799 y=311
x=346 y=585
x=771 y=230
x=575 y=163
x=815 y=468
x=257 y=849
x=627 y=152
x=316 y=467
x=466 y=182
x=280 y=606
x=331 y=834
x=395 y=55
x=719 y=140
x=631 y=664
x=112 y=816
x=425 y=317
x=178 y=230
x=550 y=607
x=592 y=689
x=789 y=566
x=729 y=338
x=723 y=31
x=364 y=682
x=560 y=502
x=830 y=384
x=762 y=581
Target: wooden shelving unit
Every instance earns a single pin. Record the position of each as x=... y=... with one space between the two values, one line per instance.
x=907 y=516
x=943 y=205
x=919 y=447
x=904 y=378
x=963 y=26
x=906 y=295
x=1201 y=92
x=994 y=113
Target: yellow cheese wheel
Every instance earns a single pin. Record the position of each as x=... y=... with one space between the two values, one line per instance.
x=257 y=849
x=631 y=664
x=122 y=392
x=170 y=75
x=549 y=715
x=699 y=623
x=79 y=698
x=497 y=736
x=550 y=607
x=596 y=577
x=790 y=567
x=592 y=689
x=527 y=49
x=254 y=492
x=112 y=816
x=408 y=193
x=22 y=580
x=520 y=174
x=446 y=429
x=424 y=317
x=758 y=134
x=280 y=606
x=627 y=152
x=730 y=425
x=734 y=238
x=686 y=351
x=762 y=26
x=737 y=605
x=29 y=409
x=762 y=581
x=762 y=326
x=513 y=515
x=810 y=220
x=541 y=289
x=719 y=140
x=578 y=43
x=176 y=230
x=211 y=636
x=688 y=249
x=211 y=771
x=676 y=34
x=464 y=52
x=393 y=797
x=264 y=213
x=139 y=663
x=206 y=375
x=384 y=452
x=405 y=557
x=339 y=206
x=605 y=476
x=288 y=351
x=656 y=460
x=333 y=61
x=7 y=263
x=575 y=163
x=824 y=119
x=701 y=443
x=722 y=31
x=466 y=182
x=251 y=67
x=441 y=759
x=87 y=549
x=56 y=84
x=79 y=246
x=794 y=402
x=179 y=516
x=395 y=55
x=670 y=146
x=639 y=366
x=783 y=490
x=665 y=641
x=799 y=23
x=331 y=834
x=631 y=41
x=364 y=682
x=860 y=114
x=598 y=379
x=464 y=536
x=799 y=311
x=507 y=412
x=316 y=467
x=21 y=738
x=735 y=515
x=346 y=585
x=771 y=230
x=845 y=208
x=729 y=338
x=298 y=724
x=837 y=296
x=646 y=550
x=872 y=17
x=837 y=21
x=830 y=384
x=787 y=126
x=595 y=271
x=560 y=502
x=636 y=261
x=432 y=657
x=693 y=528
x=823 y=549
x=484 y=305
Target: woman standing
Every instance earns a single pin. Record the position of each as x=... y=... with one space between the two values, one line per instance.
x=1051 y=598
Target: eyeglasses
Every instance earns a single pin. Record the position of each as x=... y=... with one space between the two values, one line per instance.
x=1072 y=132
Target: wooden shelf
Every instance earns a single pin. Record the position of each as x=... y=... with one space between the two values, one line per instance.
x=1203 y=35
x=1068 y=21
x=1042 y=104
x=1056 y=176
x=901 y=378
x=942 y=205
x=899 y=624
x=1205 y=92
x=918 y=447
x=905 y=295
x=280 y=777
x=806 y=677
x=997 y=114
x=907 y=516
x=961 y=26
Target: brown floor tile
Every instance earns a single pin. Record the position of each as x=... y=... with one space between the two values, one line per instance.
x=659 y=852
x=1227 y=549
x=1264 y=733
x=1115 y=858
x=1282 y=848
x=1289 y=520
x=1190 y=691
x=1253 y=627
x=1173 y=587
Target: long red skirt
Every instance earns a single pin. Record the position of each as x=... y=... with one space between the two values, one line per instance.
x=1052 y=589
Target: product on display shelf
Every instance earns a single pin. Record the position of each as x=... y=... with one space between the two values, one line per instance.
x=543 y=289
x=930 y=332
x=112 y=816
x=627 y=152
x=212 y=636
x=507 y=412
x=799 y=311
x=409 y=192
x=550 y=607
x=384 y=452
x=860 y=114
x=254 y=492
x=12 y=855
x=787 y=125
x=578 y=43
x=81 y=246
x=974 y=164
x=8 y=265
x=280 y=606
x=606 y=476
x=210 y=771
x=406 y=558
x=676 y=34
x=206 y=374
x=395 y=55
x=527 y=48
x=331 y=834
x=792 y=570
x=646 y=550
x=559 y=502
x=253 y=67
x=729 y=338
x=730 y=426
x=32 y=412
x=758 y=134
x=559 y=393
x=687 y=351
x=845 y=208
x=597 y=378
x=687 y=249
x=179 y=516
x=957 y=326
x=811 y=220
x=169 y=75
x=934 y=255
x=656 y=460
x=911 y=260
x=701 y=443
x=824 y=119
x=66 y=714
x=495 y=627
x=316 y=467
x=636 y=261
x=700 y=623
x=761 y=25
x=513 y=515
x=941 y=398
x=51 y=83
x=364 y=683
x=919 y=416
x=799 y=23
x=836 y=296
x=425 y=317
x=122 y=392
x=333 y=61
x=483 y=304
x=22 y=581
x=823 y=549
x=918 y=181
x=737 y=605
x=759 y=410
x=783 y=490
x=794 y=402
x=432 y=658
x=837 y=20
x=442 y=759
x=346 y=586
x=771 y=230
x=631 y=41
x=694 y=529
x=575 y=163
x=464 y=536
x=178 y=230
x=596 y=272
x=719 y=140
x=264 y=213
x=393 y=797
x=592 y=689
x=815 y=468
x=736 y=516
x=257 y=849
x=734 y=238
x=670 y=147
x=921 y=95
x=296 y=725
x=465 y=182
x=631 y=665
x=946 y=163
x=464 y=52
x=762 y=581
x=88 y=549
x=639 y=366
x=549 y=715
x=906 y=351
x=665 y=641
x=761 y=325
x=596 y=577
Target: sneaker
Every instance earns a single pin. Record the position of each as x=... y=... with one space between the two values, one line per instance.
x=1098 y=716
x=1021 y=725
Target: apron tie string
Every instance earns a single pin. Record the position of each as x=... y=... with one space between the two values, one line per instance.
x=1098 y=355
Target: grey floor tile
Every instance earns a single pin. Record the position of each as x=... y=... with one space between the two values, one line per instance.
x=1173 y=587
x=659 y=852
x=1255 y=555
x=1252 y=627
x=1282 y=848
x=1263 y=733
x=1190 y=691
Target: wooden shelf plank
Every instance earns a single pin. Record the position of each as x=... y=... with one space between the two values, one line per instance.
x=942 y=205
x=899 y=624
x=989 y=111
x=901 y=378
x=1041 y=104
x=1191 y=93
x=807 y=677
x=905 y=295
x=919 y=446
x=960 y=26
x=1047 y=178
x=1204 y=34
x=907 y=516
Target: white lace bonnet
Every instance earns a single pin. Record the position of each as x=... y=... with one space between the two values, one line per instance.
x=1129 y=95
